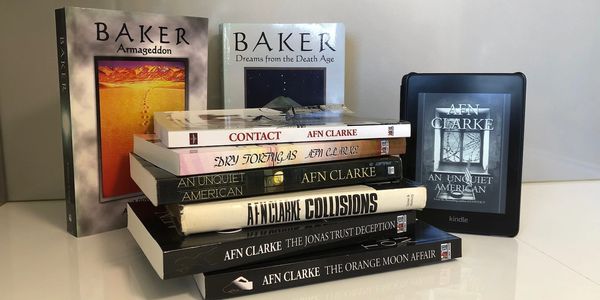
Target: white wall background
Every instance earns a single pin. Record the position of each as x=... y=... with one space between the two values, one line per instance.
x=555 y=43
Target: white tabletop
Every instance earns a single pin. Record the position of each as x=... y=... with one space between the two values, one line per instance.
x=555 y=256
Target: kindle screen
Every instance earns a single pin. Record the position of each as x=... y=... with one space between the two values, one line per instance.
x=463 y=160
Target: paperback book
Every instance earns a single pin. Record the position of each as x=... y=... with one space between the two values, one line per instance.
x=429 y=246
x=162 y=187
x=282 y=65
x=206 y=160
x=345 y=201
x=268 y=126
x=115 y=70
x=173 y=255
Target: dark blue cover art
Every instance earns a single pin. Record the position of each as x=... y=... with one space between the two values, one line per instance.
x=276 y=87
x=464 y=142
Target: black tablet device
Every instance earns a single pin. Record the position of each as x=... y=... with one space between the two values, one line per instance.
x=467 y=148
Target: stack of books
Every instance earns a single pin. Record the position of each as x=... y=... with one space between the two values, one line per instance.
x=255 y=200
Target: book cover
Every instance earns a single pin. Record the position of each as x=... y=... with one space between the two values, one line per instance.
x=174 y=255
x=162 y=187
x=282 y=65
x=268 y=126
x=115 y=70
x=464 y=162
x=206 y=160
x=337 y=202
x=429 y=246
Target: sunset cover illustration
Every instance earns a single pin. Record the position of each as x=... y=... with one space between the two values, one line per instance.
x=128 y=94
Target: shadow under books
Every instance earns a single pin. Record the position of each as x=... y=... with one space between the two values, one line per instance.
x=148 y=285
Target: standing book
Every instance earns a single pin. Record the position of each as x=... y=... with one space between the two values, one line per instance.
x=429 y=246
x=281 y=65
x=115 y=70
x=267 y=126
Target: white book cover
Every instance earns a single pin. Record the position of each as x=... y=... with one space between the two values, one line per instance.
x=337 y=202
x=269 y=126
x=274 y=65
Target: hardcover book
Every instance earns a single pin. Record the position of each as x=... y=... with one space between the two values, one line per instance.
x=282 y=65
x=268 y=126
x=115 y=70
x=429 y=246
x=337 y=202
x=173 y=255
x=206 y=160
x=162 y=187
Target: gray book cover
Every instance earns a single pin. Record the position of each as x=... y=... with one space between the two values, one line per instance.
x=115 y=70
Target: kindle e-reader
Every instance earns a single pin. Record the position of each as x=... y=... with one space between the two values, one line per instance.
x=466 y=148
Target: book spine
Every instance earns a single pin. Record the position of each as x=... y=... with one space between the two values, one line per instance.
x=270 y=135
x=284 y=240
x=382 y=256
x=299 y=206
x=229 y=185
x=239 y=158
x=67 y=140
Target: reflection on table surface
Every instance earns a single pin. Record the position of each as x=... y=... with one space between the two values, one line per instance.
x=547 y=260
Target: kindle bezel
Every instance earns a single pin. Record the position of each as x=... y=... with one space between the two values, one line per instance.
x=503 y=224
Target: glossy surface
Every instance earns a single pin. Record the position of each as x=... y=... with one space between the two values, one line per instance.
x=555 y=256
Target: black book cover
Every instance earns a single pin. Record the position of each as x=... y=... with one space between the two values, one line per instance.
x=169 y=188
x=67 y=140
x=429 y=245
x=172 y=254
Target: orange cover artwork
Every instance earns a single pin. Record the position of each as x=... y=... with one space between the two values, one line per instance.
x=128 y=94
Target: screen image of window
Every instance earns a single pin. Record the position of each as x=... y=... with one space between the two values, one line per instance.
x=461 y=147
x=458 y=146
